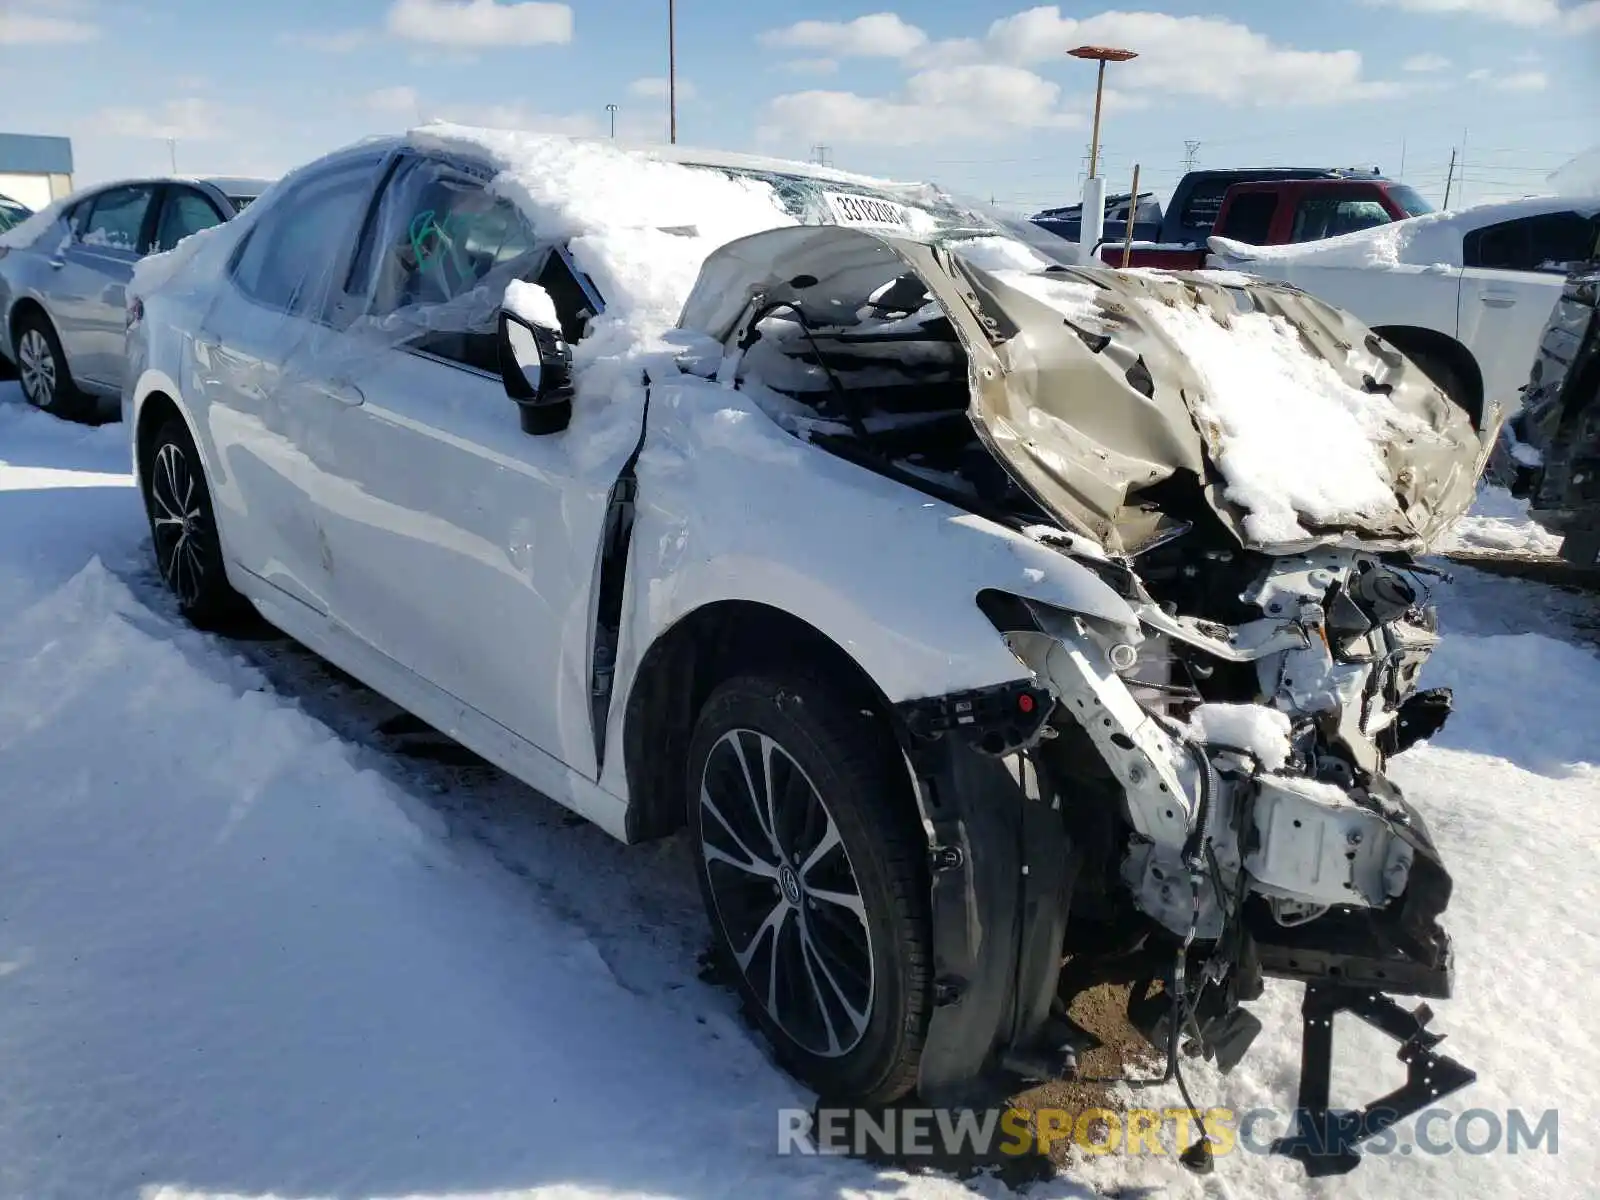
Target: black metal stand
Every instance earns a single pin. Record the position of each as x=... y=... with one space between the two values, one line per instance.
x=1324 y=1140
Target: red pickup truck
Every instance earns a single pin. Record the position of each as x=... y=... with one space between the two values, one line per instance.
x=1276 y=212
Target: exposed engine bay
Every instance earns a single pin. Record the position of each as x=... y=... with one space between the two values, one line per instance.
x=1216 y=766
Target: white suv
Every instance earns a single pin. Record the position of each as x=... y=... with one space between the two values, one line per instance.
x=970 y=610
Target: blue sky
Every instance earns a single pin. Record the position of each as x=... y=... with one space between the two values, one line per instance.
x=977 y=95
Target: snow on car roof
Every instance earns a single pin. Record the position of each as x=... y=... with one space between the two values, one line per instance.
x=640 y=226
x=1433 y=239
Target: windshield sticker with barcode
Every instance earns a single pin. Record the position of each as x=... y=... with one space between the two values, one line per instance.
x=851 y=209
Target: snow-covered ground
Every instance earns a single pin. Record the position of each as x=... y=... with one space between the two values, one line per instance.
x=1498 y=523
x=247 y=948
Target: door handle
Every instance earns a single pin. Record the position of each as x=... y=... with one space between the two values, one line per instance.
x=58 y=263
x=1499 y=301
x=343 y=391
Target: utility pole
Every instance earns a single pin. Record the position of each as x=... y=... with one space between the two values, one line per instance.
x=611 y=111
x=172 y=152
x=1402 y=175
x=1133 y=208
x=1463 y=200
x=1449 y=178
x=1191 y=155
x=672 y=71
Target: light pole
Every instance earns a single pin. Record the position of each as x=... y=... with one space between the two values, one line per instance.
x=1094 y=188
x=611 y=110
x=672 y=71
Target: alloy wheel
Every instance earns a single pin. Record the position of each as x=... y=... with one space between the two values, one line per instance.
x=37 y=366
x=785 y=893
x=177 y=523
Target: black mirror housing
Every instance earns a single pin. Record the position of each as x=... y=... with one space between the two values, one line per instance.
x=536 y=369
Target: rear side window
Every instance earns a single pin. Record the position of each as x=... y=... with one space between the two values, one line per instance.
x=288 y=259
x=1250 y=217
x=116 y=218
x=1204 y=203
x=184 y=211
x=1552 y=243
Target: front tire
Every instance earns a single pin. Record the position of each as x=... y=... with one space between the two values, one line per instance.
x=812 y=868
x=42 y=370
x=183 y=528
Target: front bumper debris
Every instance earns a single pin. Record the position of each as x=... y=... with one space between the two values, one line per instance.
x=1324 y=1139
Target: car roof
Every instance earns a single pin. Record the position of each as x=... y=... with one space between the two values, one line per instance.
x=424 y=137
x=224 y=184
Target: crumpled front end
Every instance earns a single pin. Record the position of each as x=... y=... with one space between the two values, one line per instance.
x=1196 y=795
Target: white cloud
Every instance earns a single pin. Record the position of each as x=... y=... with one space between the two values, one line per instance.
x=1425 y=63
x=189 y=119
x=878 y=35
x=481 y=22
x=1585 y=17
x=1193 y=56
x=937 y=104
x=341 y=41
x=32 y=26
x=811 y=66
x=391 y=100
x=654 y=87
x=1515 y=12
x=1517 y=81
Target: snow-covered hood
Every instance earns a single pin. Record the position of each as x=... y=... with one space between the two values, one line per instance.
x=1125 y=401
x=1300 y=426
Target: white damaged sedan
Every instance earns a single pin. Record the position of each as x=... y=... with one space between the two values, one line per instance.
x=997 y=628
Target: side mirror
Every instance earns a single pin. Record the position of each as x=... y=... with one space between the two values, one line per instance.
x=536 y=368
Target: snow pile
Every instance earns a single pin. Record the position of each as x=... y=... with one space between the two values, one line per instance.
x=997 y=254
x=532 y=303
x=1072 y=298
x=639 y=227
x=1498 y=523
x=1254 y=728
x=1291 y=438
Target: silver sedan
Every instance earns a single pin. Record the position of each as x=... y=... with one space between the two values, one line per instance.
x=64 y=274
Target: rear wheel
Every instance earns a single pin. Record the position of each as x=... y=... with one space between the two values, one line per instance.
x=42 y=369
x=183 y=528
x=812 y=870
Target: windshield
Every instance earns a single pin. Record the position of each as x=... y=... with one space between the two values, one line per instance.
x=920 y=211
x=1410 y=200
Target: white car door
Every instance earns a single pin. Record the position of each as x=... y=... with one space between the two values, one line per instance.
x=1399 y=294
x=458 y=546
x=1513 y=277
x=272 y=299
